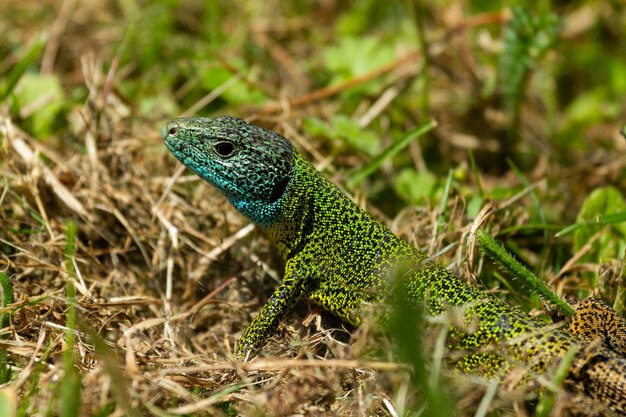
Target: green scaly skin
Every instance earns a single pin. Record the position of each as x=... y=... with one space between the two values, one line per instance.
x=339 y=257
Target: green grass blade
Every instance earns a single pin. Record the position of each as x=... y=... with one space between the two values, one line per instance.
x=444 y=200
x=529 y=227
x=417 y=13
x=110 y=363
x=70 y=394
x=105 y=411
x=533 y=194
x=5 y=300
x=34 y=385
x=476 y=175
x=602 y=220
x=21 y=67
x=8 y=403
x=494 y=250
x=358 y=176
x=71 y=384
x=546 y=401
x=404 y=323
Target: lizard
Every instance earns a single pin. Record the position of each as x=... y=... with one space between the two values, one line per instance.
x=339 y=257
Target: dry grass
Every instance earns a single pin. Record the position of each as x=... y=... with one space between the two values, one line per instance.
x=168 y=275
x=173 y=337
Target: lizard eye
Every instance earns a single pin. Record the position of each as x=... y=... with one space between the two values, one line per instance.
x=224 y=149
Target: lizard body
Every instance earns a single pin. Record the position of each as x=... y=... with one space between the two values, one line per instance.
x=339 y=257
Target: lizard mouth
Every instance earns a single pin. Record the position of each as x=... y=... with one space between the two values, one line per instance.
x=177 y=147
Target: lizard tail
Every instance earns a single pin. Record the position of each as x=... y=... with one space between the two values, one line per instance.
x=601 y=374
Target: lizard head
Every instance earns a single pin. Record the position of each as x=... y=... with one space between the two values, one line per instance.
x=250 y=165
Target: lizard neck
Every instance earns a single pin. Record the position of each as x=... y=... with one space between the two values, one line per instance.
x=315 y=216
x=296 y=218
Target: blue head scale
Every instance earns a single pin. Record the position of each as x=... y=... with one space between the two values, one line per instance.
x=250 y=165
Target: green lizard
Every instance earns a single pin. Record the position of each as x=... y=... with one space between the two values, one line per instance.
x=339 y=257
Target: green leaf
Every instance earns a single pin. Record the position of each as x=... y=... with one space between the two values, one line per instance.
x=156 y=104
x=611 y=243
x=599 y=220
x=213 y=77
x=617 y=76
x=473 y=207
x=352 y=57
x=44 y=93
x=6 y=298
x=501 y=193
x=361 y=16
x=590 y=107
x=354 y=135
x=8 y=402
x=345 y=129
x=317 y=127
x=413 y=186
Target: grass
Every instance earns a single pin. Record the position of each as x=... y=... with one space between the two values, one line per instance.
x=521 y=110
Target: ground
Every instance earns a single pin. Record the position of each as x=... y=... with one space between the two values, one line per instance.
x=141 y=315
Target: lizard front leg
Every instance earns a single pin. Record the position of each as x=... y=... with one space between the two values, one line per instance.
x=293 y=287
x=342 y=301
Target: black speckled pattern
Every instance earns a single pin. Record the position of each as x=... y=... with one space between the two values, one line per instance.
x=339 y=257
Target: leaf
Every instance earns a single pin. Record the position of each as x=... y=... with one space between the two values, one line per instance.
x=347 y=130
x=589 y=108
x=213 y=77
x=6 y=298
x=612 y=241
x=413 y=186
x=526 y=39
x=473 y=207
x=43 y=93
x=8 y=402
x=355 y=136
x=150 y=105
x=356 y=56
